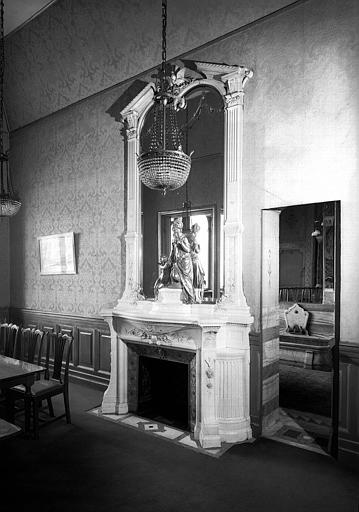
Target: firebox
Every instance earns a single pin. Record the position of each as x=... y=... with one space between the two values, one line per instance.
x=163 y=391
x=161 y=385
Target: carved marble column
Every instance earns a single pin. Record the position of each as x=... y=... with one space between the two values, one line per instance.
x=115 y=399
x=232 y=385
x=208 y=433
x=133 y=233
x=233 y=228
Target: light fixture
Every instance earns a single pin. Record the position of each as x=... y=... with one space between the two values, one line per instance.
x=317 y=234
x=9 y=205
x=164 y=165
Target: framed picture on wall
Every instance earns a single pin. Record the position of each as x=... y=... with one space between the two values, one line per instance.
x=57 y=254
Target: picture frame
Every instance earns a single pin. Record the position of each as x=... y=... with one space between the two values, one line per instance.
x=57 y=254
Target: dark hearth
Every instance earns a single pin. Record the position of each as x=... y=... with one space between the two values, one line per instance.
x=163 y=391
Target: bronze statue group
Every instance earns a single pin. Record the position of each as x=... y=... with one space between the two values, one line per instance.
x=183 y=267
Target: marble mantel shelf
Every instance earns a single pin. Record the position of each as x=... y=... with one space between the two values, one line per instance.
x=192 y=314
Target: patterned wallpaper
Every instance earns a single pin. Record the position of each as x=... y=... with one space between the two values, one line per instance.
x=301 y=127
x=300 y=134
x=69 y=173
x=4 y=263
x=79 y=47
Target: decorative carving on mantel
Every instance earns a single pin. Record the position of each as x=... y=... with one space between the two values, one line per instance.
x=209 y=373
x=158 y=335
x=210 y=336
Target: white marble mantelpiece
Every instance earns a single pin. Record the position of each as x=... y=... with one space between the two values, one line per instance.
x=221 y=345
x=217 y=334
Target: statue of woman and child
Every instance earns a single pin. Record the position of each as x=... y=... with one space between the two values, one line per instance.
x=183 y=267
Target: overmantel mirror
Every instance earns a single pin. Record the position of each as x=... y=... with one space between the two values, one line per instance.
x=199 y=201
x=212 y=126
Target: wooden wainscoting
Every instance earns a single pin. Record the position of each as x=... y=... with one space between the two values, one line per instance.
x=348 y=399
x=255 y=383
x=90 y=360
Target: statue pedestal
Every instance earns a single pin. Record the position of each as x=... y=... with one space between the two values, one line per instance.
x=170 y=295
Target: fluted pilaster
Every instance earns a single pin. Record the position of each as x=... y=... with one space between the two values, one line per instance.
x=233 y=228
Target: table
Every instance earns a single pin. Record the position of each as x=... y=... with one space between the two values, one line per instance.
x=14 y=372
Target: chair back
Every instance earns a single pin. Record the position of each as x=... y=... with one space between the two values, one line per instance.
x=15 y=342
x=10 y=334
x=61 y=345
x=32 y=344
x=4 y=329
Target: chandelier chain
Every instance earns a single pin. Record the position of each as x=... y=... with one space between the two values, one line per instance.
x=164 y=36
x=163 y=165
x=2 y=70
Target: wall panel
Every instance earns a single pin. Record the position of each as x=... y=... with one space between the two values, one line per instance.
x=90 y=361
x=349 y=399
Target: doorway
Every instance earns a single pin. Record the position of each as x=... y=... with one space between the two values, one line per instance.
x=301 y=285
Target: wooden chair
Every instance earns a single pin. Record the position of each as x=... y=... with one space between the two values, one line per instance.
x=4 y=335
x=8 y=429
x=10 y=339
x=32 y=341
x=55 y=381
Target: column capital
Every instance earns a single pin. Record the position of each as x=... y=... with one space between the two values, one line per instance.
x=131 y=122
x=236 y=80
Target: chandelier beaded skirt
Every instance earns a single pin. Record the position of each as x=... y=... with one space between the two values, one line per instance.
x=164 y=169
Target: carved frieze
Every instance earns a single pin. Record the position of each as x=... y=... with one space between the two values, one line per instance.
x=155 y=334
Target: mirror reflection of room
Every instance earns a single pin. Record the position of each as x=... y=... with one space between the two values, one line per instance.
x=198 y=202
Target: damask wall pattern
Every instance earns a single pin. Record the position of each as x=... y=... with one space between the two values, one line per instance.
x=299 y=147
x=69 y=174
x=76 y=48
x=4 y=263
x=300 y=128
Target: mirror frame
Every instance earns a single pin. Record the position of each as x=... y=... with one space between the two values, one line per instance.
x=229 y=82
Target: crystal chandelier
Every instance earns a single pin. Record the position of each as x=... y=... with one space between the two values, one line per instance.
x=164 y=165
x=9 y=205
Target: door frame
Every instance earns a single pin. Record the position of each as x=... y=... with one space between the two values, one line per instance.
x=266 y=429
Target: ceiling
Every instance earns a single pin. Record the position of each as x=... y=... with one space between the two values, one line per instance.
x=17 y=12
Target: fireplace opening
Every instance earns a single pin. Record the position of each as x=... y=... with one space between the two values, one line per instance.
x=163 y=391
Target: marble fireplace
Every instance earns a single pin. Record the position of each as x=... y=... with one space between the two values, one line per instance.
x=213 y=339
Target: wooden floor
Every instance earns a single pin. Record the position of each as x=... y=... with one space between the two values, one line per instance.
x=95 y=465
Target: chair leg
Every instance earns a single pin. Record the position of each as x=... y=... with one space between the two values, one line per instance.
x=36 y=419
x=67 y=406
x=51 y=409
x=10 y=406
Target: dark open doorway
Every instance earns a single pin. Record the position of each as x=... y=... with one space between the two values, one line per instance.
x=305 y=411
